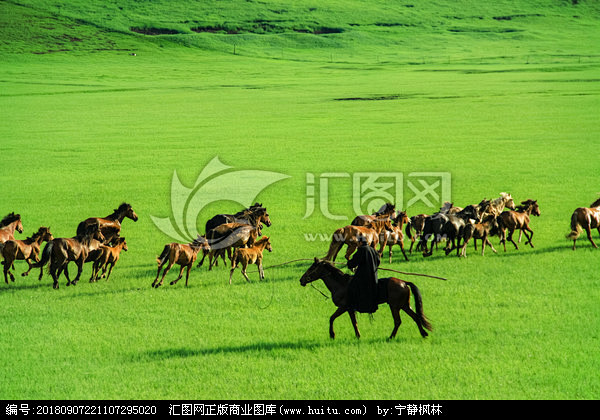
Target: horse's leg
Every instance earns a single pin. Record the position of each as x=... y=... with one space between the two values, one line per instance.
x=165 y=271
x=179 y=276
x=510 y=235
x=79 y=270
x=487 y=241
x=354 y=323
x=397 y=321
x=244 y=267
x=529 y=237
x=415 y=318
x=337 y=313
x=6 y=266
x=260 y=269
x=401 y=243
x=588 y=230
x=350 y=250
x=157 y=274
x=187 y=274
x=390 y=252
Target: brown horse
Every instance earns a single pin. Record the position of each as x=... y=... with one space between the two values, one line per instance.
x=586 y=218
x=518 y=219
x=224 y=238
x=384 y=213
x=110 y=226
x=393 y=291
x=417 y=223
x=349 y=235
x=247 y=216
x=8 y=225
x=395 y=236
x=109 y=255
x=60 y=251
x=182 y=254
x=252 y=255
x=28 y=250
x=489 y=226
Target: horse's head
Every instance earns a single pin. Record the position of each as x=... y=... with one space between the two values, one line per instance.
x=45 y=234
x=122 y=243
x=93 y=231
x=508 y=200
x=268 y=246
x=264 y=218
x=19 y=226
x=130 y=213
x=401 y=218
x=533 y=205
x=314 y=272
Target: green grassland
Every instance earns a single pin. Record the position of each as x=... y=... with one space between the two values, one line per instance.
x=502 y=96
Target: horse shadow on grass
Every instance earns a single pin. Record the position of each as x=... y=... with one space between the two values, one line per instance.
x=258 y=347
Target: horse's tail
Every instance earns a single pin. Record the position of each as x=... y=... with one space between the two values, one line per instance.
x=419 y=306
x=337 y=240
x=164 y=255
x=46 y=253
x=575 y=228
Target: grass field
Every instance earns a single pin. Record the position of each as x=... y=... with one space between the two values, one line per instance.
x=492 y=95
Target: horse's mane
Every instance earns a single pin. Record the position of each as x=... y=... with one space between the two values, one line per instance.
x=9 y=218
x=595 y=203
x=122 y=207
x=387 y=207
x=336 y=271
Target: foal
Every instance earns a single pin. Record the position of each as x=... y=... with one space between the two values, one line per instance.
x=252 y=255
x=108 y=256
x=182 y=254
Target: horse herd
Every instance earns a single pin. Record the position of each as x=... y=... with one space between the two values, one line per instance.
x=98 y=240
x=452 y=224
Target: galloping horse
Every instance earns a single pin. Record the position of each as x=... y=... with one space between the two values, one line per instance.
x=182 y=254
x=349 y=235
x=110 y=226
x=417 y=223
x=384 y=213
x=518 y=219
x=395 y=236
x=586 y=218
x=496 y=206
x=8 y=225
x=489 y=226
x=249 y=216
x=108 y=257
x=393 y=291
x=28 y=250
x=252 y=255
x=60 y=251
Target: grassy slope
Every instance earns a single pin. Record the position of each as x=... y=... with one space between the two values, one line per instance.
x=85 y=134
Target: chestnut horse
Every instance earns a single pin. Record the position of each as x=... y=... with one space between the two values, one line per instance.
x=252 y=255
x=28 y=250
x=109 y=255
x=393 y=291
x=8 y=225
x=586 y=218
x=395 y=236
x=489 y=226
x=110 y=226
x=60 y=251
x=182 y=254
x=349 y=235
x=518 y=219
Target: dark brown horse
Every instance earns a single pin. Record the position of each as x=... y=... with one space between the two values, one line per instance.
x=393 y=291
x=28 y=250
x=225 y=238
x=182 y=254
x=586 y=218
x=249 y=216
x=349 y=235
x=109 y=255
x=60 y=251
x=110 y=226
x=8 y=225
x=489 y=226
x=417 y=223
x=252 y=255
x=518 y=219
